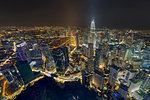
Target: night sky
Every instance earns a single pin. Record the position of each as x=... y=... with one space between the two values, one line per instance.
x=133 y=14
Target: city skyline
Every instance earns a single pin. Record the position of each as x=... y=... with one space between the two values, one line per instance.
x=74 y=50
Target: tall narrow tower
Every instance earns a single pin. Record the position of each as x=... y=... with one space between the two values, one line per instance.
x=92 y=36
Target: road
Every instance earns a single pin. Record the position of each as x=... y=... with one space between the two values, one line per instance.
x=20 y=90
x=3 y=63
x=63 y=79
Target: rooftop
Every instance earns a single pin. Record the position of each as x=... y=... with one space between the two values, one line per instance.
x=99 y=73
x=115 y=67
x=134 y=80
x=141 y=93
x=124 y=87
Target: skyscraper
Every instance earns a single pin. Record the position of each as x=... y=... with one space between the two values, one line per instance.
x=134 y=84
x=59 y=60
x=36 y=52
x=77 y=41
x=130 y=74
x=123 y=90
x=23 y=51
x=85 y=78
x=97 y=57
x=146 y=82
x=7 y=76
x=90 y=50
x=66 y=55
x=47 y=57
x=113 y=74
x=84 y=50
x=98 y=79
x=26 y=72
x=93 y=35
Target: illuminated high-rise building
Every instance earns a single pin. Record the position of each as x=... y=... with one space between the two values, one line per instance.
x=130 y=74
x=97 y=57
x=84 y=50
x=23 y=52
x=77 y=41
x=123 y=90
x=36 y=53
x=90 y=50
x=26 y=72
x=47 y=57
x=59 y=60
x=93 y=35
x=134 y=84
x=113 y=74
x=66 y=55
x=7 y=76
x=98 y=79
x=86 y=77
x=146 y=82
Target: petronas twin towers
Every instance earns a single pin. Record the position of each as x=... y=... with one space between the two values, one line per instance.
x=93 y=35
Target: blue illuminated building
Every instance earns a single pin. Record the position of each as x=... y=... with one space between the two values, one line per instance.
x=23 y=52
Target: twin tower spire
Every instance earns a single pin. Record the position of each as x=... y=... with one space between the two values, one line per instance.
x=93 y=35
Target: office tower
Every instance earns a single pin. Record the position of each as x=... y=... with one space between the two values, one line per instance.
x=128 y=54
x=134 y=84
x=59 y=60
x=84 y=50
x=139 y=94
x=36 y=53
x=98 y=79
x=23 y=51
x=93 y=35
x=7 y=76
x=143 y=74
x=83 y=66
x=25 y=71
x=35 y=46
x=77 y=41
x=66 y=55
x=113 y=74
x=13 y=71
x=139 y=46
x=146 y=83
x=85 y=78
x=47 y=57
x=90 y=50
x=90 y=65
x=97 y=57
x=130 y=74
x=123 y=90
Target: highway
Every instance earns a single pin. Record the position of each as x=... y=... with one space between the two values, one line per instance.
x=62 y=79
